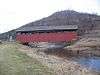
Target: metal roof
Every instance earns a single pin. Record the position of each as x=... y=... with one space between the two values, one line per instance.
x=39 y=28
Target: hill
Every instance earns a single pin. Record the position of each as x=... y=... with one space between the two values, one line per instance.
x=85 y=21
x=6 y=35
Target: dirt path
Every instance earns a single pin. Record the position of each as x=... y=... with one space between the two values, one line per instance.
x=59 y=65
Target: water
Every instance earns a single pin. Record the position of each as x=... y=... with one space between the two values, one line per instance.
x=90 y=62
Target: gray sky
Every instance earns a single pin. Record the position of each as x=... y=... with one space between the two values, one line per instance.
x=15 y=13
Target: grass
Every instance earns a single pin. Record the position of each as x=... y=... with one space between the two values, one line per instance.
x=14 y=62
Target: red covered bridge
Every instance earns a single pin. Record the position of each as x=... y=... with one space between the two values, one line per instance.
x=47 y=34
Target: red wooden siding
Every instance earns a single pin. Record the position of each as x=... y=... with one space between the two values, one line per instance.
x=47 y=37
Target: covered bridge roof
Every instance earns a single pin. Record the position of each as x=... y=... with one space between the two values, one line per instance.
x=45 y=28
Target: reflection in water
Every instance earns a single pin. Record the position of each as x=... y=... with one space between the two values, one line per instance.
x=93 y=62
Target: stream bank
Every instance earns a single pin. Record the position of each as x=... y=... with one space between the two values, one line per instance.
x=61 y=66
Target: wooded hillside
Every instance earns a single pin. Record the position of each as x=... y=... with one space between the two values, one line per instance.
x=86 y=22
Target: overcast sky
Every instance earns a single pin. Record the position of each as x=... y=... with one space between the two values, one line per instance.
x=15 y=13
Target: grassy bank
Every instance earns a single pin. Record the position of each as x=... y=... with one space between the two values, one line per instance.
x=13 y=62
